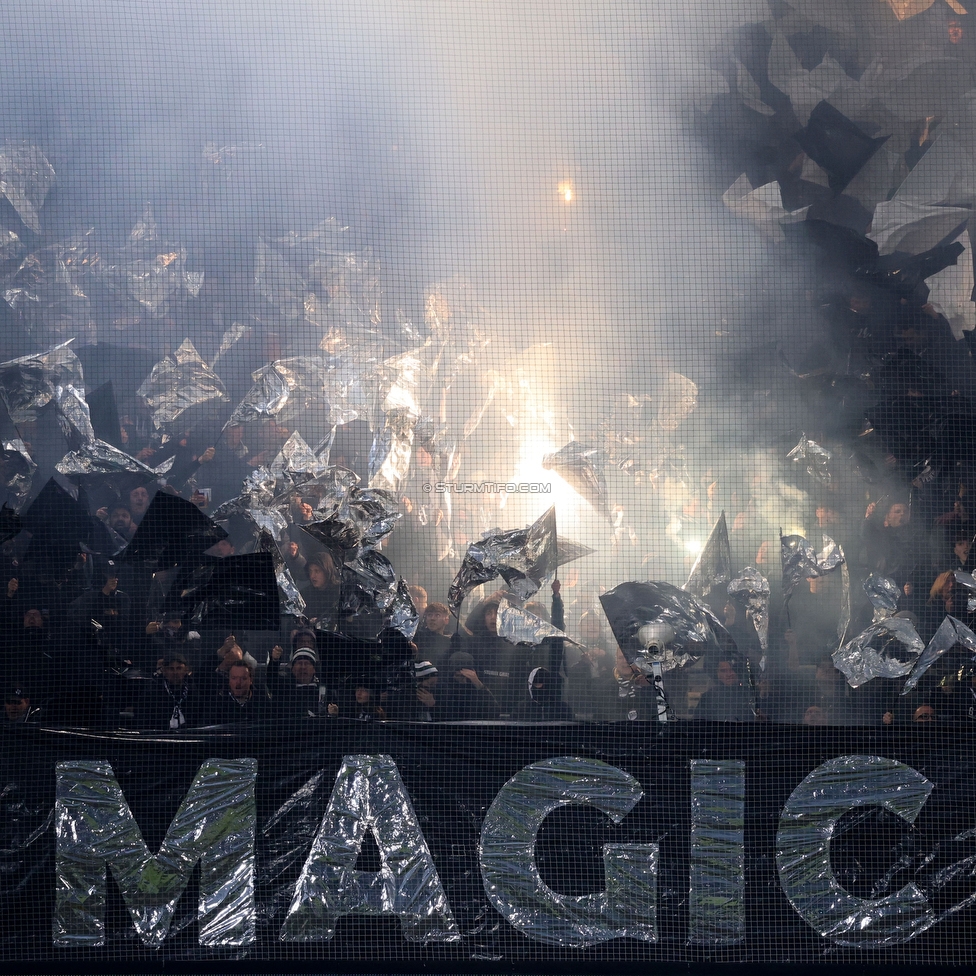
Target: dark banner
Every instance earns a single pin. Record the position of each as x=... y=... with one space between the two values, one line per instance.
x=457 y=848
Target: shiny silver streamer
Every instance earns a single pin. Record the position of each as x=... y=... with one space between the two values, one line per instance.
x=95 y=828
x=718 y=861
x=806 y=828
x=26 y=177
x=178 y=383
x=883 y=594
x=627 y=908
x=887 y=649
x=518 y=626
x=752 y=588
x=950 y=633
x=813 y=457
x=74 y=417
x=369 y=795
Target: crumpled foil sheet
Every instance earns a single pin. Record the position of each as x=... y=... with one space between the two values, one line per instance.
x=369 y=795
x=689 y=630
x=882 y=593
x=26 y=177
x=177 y=384
x=214 y=825
x=813 y=457
x=626 y=908
x=581 y=468
x=522 y=557
x=950 y=633
x=808 y=824
x=518 y=626
x=887 y=649
x=752 y=588
x=30 y=383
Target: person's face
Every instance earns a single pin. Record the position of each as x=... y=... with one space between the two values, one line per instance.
x=924 y=713
x=174 y=673
x=362 y=695
x=303 y=671
x=239 y=680
x=491 y=620
x=139 y=500
x=590 y=629
x=121 y=520
x=897 y=516
x=962 y=550
x=111 y=585
x=16 y=708
x=33 y=620
x=172 y=625
x=316 y=575
x=429 y=683
x=292 y=550
x=726 y=673
x=436 y=620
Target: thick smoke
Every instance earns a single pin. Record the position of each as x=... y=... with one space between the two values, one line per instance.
x=542 y=181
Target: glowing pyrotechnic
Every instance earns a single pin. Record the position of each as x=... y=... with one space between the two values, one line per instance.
x=566 y=191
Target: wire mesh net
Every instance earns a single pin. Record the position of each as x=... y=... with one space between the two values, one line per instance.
x=487 y=484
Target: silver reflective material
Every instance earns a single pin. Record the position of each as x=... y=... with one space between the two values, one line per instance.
x=401 y=613
x=229 y=339
x=369 y=795
x=214 y=825
x=676 y=401
x=522 y=557
x=752 y=588
x=30 y=383
x=718 y=861
x=179 y=383
x=801 y=562
x=17 y=469
x=303 y=391
x=883 y=594
x=813 y=457
x=950 y=633
x=806 y=828
x=713 y=567
x=887 y=649
x=630 y=607
x=100 y=457
x=582 y=469
x=292 y=602
x=25 y=179
x=296 y=462
x=74 y=417
x=626 y=908
x=518 y=626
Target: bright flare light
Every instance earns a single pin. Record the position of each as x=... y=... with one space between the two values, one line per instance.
x=694 y=546
x=566 y=191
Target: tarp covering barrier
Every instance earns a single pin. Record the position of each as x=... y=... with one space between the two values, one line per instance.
x=464 y=846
